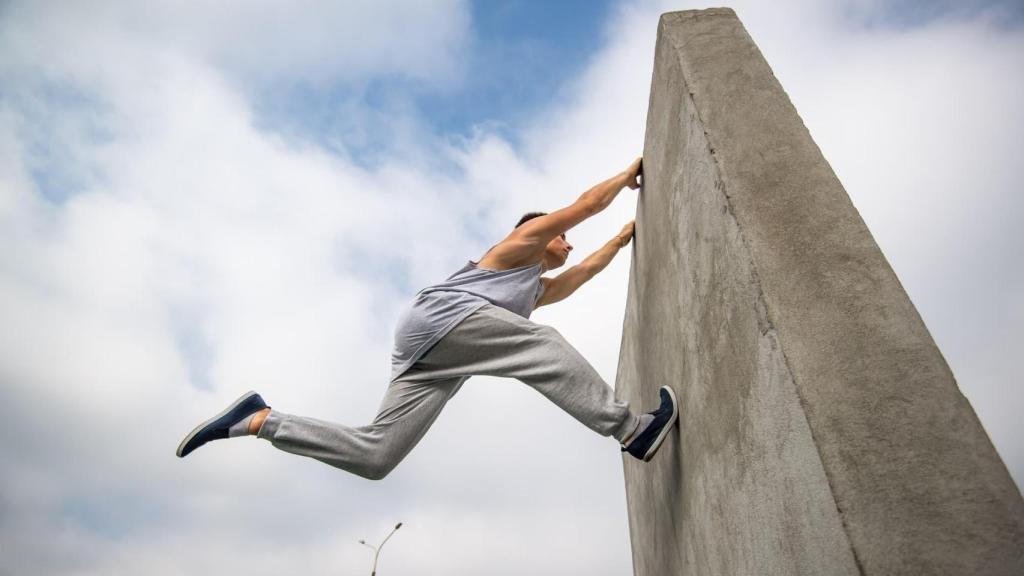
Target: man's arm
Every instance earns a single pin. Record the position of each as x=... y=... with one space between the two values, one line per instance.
x=561 y=286
x=527 y=242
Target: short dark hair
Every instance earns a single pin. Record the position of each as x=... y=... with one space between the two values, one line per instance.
x=529 y=216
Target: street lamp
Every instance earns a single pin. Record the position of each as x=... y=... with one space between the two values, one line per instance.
x=376 y=551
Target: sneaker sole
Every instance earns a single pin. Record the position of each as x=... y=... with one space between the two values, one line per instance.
x=665 y=430
x=208 y=421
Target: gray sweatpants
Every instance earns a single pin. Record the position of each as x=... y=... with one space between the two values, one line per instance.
x=490 y=342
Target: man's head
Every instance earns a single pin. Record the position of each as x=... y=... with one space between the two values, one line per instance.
x=557 y=250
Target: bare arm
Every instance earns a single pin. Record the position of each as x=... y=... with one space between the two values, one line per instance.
x=527 y=242
x=563 y=285
x=602 y=194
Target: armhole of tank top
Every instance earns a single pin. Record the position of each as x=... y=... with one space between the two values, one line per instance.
x=516 y=269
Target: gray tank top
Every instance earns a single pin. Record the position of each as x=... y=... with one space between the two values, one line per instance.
x=438 y=308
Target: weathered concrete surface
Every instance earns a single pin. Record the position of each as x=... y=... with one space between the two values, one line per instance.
x=821 y=430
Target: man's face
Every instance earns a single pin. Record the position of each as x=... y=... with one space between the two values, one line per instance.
x=558 y=250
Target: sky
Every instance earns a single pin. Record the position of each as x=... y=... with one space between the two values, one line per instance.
x=201 y=199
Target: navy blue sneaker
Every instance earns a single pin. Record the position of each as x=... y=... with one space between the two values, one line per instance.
x=216 y=428
x=649 y=440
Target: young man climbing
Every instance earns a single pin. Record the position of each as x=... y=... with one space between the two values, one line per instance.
x=475 y=322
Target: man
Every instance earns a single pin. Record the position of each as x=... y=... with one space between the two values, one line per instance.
x=476 y=322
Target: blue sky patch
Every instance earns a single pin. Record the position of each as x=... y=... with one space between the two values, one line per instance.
x=905 y=14
x=59 y=120
x=519 y=55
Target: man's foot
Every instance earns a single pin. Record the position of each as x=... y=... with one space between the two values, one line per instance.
x=217 y=427
x=647 y=441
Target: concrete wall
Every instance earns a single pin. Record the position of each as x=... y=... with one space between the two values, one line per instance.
x=821 y=430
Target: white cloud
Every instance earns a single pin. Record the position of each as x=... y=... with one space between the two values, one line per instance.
x=200 y=256
x=312 y=41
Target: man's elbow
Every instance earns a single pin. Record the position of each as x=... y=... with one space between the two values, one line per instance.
x=590 y=205
x=593 y=205
x=584 y=271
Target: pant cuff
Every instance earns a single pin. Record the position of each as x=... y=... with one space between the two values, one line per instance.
x=628 y=427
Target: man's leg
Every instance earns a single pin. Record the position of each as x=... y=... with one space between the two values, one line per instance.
x=495 y=342
x=408 y=409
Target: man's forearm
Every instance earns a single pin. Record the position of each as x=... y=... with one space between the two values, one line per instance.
x=601 y=195
x=599 y=259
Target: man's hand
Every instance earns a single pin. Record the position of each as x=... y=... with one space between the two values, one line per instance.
x=599 y=196
x=633 y=173
x=626 y=234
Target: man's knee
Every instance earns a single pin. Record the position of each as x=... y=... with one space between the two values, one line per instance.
x=549 y=332
x=378 y=471
x=380 y=467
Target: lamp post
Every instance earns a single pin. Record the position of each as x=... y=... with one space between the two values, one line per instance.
x=376 y=551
